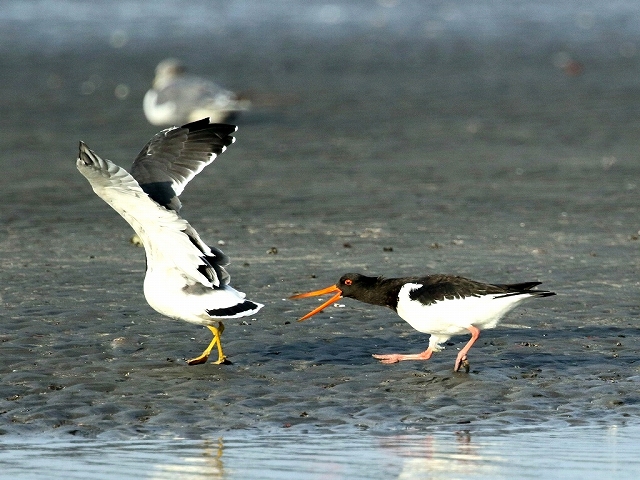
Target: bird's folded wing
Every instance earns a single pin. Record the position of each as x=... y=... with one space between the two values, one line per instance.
x=440 y=287
x=192 y=92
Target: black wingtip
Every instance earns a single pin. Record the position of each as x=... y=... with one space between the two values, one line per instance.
x=197 y=125
x=85 y=154
x=533 y=293
x=84 y=148
x=221 y=129
x=543 y=293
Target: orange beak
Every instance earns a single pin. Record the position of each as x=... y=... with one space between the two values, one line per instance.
x=331 y=289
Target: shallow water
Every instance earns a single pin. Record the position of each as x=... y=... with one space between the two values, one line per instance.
x=569 y=453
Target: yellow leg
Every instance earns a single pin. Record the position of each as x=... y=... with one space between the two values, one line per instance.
x=221 y=356
x=215 y=342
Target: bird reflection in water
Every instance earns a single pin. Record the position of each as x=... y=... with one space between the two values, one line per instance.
x=207 y=465
x=434 y=454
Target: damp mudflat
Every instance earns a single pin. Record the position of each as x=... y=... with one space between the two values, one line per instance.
x=498 y=143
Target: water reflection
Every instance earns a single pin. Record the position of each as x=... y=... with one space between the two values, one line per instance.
x=440 y=456
x=564 y=453
x=208 y=463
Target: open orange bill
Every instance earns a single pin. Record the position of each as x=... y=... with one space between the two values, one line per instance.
x=315 y=293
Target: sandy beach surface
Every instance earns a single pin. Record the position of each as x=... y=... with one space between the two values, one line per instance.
x=498 y=143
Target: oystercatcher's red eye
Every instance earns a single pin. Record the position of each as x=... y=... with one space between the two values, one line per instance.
x=348 y=281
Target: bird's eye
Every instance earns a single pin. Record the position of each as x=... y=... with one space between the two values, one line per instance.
x=348 y=281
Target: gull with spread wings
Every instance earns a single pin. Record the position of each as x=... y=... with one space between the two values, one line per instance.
x=185 y=279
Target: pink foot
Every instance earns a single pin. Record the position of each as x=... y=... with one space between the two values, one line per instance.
x=398 y=357
x=462 y=361
x=391 y=358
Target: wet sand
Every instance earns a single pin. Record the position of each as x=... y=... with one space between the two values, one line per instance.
x=371 y=152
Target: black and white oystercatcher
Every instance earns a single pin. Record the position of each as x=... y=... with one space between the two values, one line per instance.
x=185 y=278
x=441 y=305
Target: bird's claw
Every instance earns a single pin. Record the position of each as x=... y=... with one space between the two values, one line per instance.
x=223 y=361
x=203 y=359
x=198 y=360
x=463 y=363
x=388 y=359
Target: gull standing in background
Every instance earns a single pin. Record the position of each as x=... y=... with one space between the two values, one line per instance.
x=185 y=278
x=177 y=97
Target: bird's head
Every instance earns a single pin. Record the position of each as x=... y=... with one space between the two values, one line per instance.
x=348 y=286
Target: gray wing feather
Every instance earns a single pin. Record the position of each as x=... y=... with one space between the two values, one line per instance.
x=167 y=238
x=175 y=155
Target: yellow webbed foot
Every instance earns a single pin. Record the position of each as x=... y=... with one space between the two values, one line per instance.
x=223 y=361
x=199 y=360
x=215 y=342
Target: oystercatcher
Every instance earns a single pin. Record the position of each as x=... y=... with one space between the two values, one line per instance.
x=441 y=305
x=176 y=97
x=185 y=278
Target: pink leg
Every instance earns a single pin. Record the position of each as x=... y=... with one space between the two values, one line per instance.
x=462 y=355
x=396 y=357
